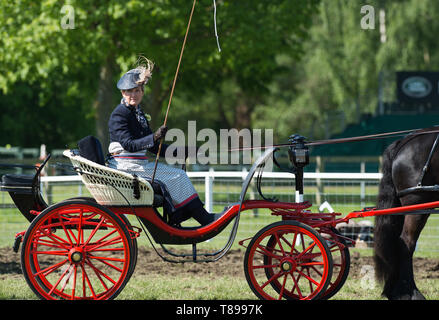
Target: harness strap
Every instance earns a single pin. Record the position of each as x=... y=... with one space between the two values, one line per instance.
x=414 y=132
x=427 y=163
x=419 y=187
x=373 y=136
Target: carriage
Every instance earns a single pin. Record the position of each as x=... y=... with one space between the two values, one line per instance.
x=86 y=247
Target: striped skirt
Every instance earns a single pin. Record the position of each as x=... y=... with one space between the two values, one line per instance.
x=176 y=180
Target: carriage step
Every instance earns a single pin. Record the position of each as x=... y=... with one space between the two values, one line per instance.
x=17 y=241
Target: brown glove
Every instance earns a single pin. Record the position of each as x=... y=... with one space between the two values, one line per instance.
x=160 y=133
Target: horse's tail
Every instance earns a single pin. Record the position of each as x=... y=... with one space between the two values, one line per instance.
x=387 y=227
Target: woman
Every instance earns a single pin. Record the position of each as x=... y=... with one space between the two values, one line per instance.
x=130 y=138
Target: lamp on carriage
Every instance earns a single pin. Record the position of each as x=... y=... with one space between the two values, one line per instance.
x=299 y=157
x=298 y=153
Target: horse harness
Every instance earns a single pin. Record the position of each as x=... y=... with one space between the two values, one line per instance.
x=419 y=187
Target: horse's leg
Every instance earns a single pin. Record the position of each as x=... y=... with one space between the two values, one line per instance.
x=405 y=287
x=387 y=241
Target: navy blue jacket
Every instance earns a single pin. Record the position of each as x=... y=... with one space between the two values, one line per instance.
x=125 y=129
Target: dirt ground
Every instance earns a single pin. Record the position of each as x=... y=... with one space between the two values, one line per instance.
x=230 y=265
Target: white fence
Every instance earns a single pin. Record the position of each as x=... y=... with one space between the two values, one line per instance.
x=210 y=176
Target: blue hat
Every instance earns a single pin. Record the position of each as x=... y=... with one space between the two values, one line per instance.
x=131 y=80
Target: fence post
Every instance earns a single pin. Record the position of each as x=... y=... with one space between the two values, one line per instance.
x=363 y=185
x=319 y=184
x=208 y=190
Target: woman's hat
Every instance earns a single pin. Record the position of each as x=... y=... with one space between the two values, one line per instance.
x=131 y=80
x=138 y=76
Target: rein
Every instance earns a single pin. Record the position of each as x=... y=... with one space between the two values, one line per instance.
x=349 y=139
x=364 y=138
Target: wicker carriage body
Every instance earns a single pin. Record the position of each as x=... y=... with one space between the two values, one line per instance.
x=111 y=187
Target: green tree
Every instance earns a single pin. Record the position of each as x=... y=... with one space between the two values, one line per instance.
x=109 y=35
x=411 y=36
x=337 y=79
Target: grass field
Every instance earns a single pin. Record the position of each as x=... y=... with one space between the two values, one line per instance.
x=180 y=282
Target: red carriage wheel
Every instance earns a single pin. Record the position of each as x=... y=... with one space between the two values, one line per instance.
x=288 y=260
x=128 y=226
x=341 y=261
x=134 y=247
x=77 y=250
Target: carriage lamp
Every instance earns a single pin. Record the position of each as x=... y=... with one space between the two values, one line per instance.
x=299 y=157
x=298 y=152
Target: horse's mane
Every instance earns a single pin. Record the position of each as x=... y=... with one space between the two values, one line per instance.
x=399 y=144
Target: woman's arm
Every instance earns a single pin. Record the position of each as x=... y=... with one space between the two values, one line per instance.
x=121 y=130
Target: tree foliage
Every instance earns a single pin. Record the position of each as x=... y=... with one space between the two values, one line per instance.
x=289 y=65
x=65 y=78
x=337 y=80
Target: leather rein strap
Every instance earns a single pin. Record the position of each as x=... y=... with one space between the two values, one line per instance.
x=350 y=139
x=372 y=136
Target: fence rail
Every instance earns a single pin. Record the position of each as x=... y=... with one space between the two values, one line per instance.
x=211 y=175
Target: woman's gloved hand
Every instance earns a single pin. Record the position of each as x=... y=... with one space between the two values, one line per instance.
x=160 y=133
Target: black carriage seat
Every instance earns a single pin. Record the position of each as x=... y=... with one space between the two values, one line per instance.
x=17 y=181
x=24 y=190
x=90 y=148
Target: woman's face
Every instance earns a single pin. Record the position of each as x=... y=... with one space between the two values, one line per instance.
x=133 y=96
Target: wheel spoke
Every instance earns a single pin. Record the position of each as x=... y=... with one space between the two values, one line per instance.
x=59 y=280
x=282 y=287
x=75 y=273
x=312 y=263
x=266 y=266
x=317 y=271
x=293 y=244
x=296 y=286
x=106 y=258
x=50 y=269
x=266 y=252
x=116 y=240
x=279 y=243
x=290 y=244
x=56 y=240
x=274 y=277
x=308 y=277
x=309 y=248
x=80 y=230
x=54 y=253
x=95 y=230
x=67 y=279
x=47 y=243
x=86 y=280
x=99 y=273
x=65 y=229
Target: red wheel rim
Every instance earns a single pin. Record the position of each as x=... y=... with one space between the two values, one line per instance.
x=76 y=252
x=297 y=265
x=340 y=262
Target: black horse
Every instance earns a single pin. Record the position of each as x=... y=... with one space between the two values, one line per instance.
x=395 y=236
